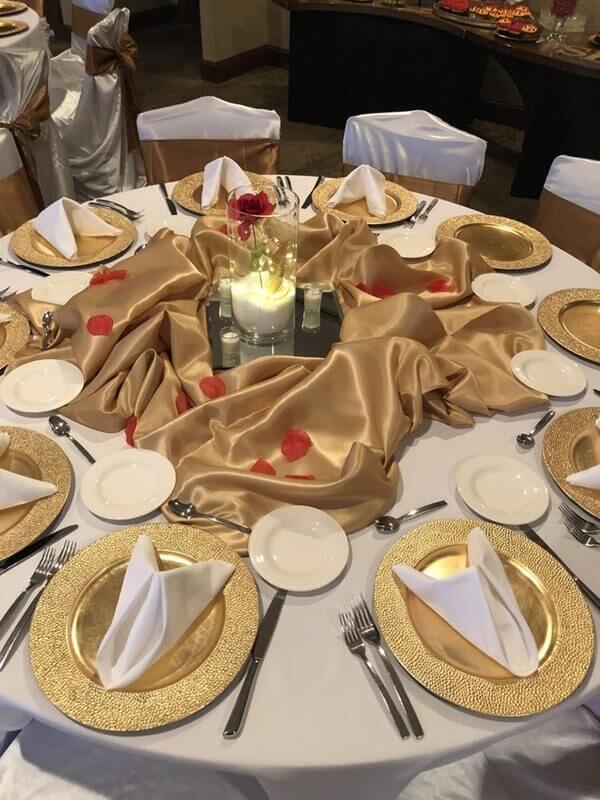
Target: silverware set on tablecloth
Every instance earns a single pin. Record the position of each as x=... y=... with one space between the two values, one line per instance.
x=282 y=186
x=581 y=529
x=6 y=294
x=112 y=205
x=361 y=633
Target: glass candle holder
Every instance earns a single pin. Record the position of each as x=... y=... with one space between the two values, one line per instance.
x=230 y=346
x=262 y=228
x=561 y=10
x=311 y=318
x=225 y=298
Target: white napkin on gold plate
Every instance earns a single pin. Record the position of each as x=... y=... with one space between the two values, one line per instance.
x=64 y=219
x=223 y=172
x=15 y=489
x=479 y=603
x=153 y=611
x=587 y=478
x=364 y=181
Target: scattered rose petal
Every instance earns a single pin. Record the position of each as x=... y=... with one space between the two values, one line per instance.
x=382 y=289
x=222 y=228
x=182 y=402
x=106 y=275
x=296 y=444
x=300 y=477
x=212 y=386
x=440 y=285
x=263 y=466
x=363 y=287
x=100 y=325
x=130 y=430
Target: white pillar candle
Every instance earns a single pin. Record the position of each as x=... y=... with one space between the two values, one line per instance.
x=312 y=307
x=230 y=346
x=259 y=310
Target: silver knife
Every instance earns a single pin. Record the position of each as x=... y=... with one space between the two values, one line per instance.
x=31 y=549
x=531 y=534
x=170 y=204
x=263 y=638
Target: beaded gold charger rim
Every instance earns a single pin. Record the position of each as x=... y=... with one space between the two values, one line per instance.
x=88 y=703
x=185 y=189
x=405 y=199
x=549 y=311
x=55 y=468
x=21 y=244
x=539 y=257
x=10 y=27
x=16 y=333
x=10 y=7
x=560 y=674
x=556 y=453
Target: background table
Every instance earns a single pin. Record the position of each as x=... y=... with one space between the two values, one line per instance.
x=32 y=39
x=315 y=723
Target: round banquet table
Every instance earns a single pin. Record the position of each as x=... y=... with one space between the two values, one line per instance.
x=32 y=39
x=315 y=726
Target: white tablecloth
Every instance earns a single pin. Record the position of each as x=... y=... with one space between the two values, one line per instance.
x=32 y=39
x=315 y=724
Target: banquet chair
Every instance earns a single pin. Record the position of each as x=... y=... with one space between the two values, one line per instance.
x=65 y=80
x=17 y=201
x=101 y=139
x=179 y=140
x=25 y=111
x=84 y=15
x=568 y=211
x=418 y=150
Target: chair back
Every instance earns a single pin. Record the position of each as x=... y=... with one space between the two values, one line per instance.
x=17 y=201
x=84 y=15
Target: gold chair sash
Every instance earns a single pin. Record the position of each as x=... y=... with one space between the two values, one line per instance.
x=17 y=201
x=569 y=226
x=104 y=60
x=455 y=192
x=82 y=19
x=37 y=6
x=173 y=159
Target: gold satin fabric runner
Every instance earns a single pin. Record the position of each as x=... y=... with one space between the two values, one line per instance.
x=417 y=354
x=569 y=226
x=172 y=159
x=82 y=20
x=17 y=202
x=455 y=192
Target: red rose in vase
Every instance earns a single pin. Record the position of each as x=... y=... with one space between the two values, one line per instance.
x=247 y=207
x=564 y=8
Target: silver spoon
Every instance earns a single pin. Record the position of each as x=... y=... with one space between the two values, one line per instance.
x=527 y=439
x=48 y=326
x=61 y=427
x=187 y=511
x=391 y=524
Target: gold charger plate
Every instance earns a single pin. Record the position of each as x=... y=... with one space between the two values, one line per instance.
x=447 y=664
x=34 y=455
x=10 y=7
x=188 y=191
x=400 y=203
x=504 y=244
x=572 y=318
x=32 y=248
x=14 y=334
x=571 y=444
x=12 y=27
x=76 y=609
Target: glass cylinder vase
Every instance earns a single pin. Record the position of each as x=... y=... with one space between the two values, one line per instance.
x=262 y=228
x=561 y=10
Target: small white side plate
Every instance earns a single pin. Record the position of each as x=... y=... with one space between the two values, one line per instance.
x=416 y=242
x=298 y=548
x=181 y=225
x=128 y=484
x=60 y=288
x=549 y=372
x=502 y=489
x=40 y=386
x=494 y=287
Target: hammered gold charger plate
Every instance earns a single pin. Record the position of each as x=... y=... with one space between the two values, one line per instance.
x=34 y=455
x=187 y=193
x=14 y=334
x=32 y=248
x=572 y=444
x=572 y=318
x=12 y=27
x=505 y=244
x=449 y=666
x=75 y=612
x=9 y=7
x=400 y=203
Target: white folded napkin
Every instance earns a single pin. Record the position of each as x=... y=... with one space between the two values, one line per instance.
x=63 y=219
x=364 y=181
x=479 y=603
x=15 y=490
x=153 y=611
x=587 y=478
x=223 y=172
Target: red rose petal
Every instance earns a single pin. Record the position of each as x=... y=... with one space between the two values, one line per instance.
x=222 y=228
x=300 y=477
x=213 y=387
x=129 y=430
x=263 y=466
x=382 y=289
x=440 y=285
x=106 y=275
x=363 y=287
x=244 y=231
x=296 y=444
x=100 y=325
x=182 y=402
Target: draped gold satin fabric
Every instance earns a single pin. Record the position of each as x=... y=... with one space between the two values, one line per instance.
x=82 y=19
x=415 y=354
x=455 y=192
x=105 y=60
x=569 y=226
x=17 y=201
x=173 y=159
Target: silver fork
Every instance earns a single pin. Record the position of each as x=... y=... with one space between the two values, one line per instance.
x=579 y=522
x=280 y=189
x=358 y=649
x=370 y=633
x=114 y=206
x=580 y=536
x=22 y=624
x=6 y=294
x=39 y=575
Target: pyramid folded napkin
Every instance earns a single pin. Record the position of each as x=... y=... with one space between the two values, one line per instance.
x=65 y=219
x=364 y=181
x=223 y=172
x=587 y=478
x=15 y=489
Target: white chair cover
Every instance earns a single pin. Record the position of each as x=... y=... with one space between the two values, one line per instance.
x=416 y=144
x=22 y=73
x=64 y=85
x=17 y=201
x=101 y=8
x=576 y=180
x=10 y=160
x=96 y=138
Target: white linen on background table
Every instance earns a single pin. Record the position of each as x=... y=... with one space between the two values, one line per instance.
x=314 y=720
x=32 y=39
